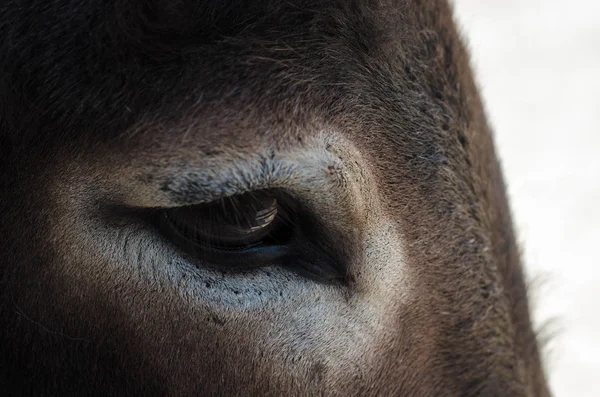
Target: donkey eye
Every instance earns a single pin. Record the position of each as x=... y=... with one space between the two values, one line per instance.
x=251 y=230
x=247 y=230
x=231 y=223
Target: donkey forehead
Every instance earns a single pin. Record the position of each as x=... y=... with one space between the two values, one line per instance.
x=238 y=68
x=222 y=80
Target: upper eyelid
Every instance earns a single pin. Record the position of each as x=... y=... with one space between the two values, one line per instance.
x=196 y=185
x=317 y=177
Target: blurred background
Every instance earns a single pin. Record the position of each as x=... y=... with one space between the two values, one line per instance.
x=537 y=63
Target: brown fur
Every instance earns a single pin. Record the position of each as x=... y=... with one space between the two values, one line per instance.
x=364 y=110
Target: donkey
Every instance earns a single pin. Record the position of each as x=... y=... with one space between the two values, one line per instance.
x=284 y=198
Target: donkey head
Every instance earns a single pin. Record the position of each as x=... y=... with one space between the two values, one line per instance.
x=206 y=197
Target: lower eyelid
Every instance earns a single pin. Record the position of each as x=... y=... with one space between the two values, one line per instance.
x=251 y=257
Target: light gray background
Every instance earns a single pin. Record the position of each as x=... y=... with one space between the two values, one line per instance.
x=538 y=66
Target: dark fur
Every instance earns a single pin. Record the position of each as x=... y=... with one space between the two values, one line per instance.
x=103 y=80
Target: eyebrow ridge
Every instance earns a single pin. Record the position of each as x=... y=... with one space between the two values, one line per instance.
x=197 y=185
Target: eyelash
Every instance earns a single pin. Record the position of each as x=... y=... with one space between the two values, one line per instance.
x=295 y=239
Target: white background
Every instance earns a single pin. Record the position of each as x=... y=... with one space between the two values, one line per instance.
x=538 y=66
